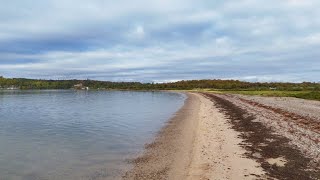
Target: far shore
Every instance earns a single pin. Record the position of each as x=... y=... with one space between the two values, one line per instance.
x=218 y=136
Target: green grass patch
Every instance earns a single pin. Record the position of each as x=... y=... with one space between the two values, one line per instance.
x=312 y=95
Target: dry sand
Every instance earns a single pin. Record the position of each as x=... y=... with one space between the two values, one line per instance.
x=198 y=143
x=224 y=137
x=216 y=151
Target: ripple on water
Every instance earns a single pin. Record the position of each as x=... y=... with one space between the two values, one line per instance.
x=77 y=134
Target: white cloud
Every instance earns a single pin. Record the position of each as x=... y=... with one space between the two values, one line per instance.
x=160 y=40
x=137 y=33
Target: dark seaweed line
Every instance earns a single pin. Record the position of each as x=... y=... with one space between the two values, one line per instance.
x=304 y=122
x=261 y=140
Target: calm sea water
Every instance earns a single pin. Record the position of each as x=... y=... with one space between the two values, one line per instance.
x=65 y=134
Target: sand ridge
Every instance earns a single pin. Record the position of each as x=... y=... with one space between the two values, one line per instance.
x=217 y=153
x=197 y=143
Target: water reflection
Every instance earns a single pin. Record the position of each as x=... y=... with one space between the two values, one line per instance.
x=65 y=134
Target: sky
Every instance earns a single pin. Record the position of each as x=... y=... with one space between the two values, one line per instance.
x=161 y=40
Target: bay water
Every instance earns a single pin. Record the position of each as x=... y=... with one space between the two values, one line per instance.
x=72 y=135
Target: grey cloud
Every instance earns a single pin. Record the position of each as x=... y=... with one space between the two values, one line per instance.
x=161 y=40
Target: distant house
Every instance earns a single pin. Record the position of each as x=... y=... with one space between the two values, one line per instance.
x=12 y=88
x=273 y=88
x=80 y=87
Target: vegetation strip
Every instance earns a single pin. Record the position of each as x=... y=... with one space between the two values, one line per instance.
x=265 y=146
x=305 y=90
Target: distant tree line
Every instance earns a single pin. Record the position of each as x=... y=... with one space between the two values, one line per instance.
x=22 y=83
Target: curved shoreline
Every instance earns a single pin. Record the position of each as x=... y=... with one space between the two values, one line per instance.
x=220 y=137
x=170 y=153
x=197 y=143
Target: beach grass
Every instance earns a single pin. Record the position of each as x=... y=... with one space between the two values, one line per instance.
x=311 y=95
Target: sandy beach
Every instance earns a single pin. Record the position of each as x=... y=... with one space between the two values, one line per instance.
x=216 y=136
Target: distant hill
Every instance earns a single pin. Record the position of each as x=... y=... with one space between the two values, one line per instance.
x=23 y=83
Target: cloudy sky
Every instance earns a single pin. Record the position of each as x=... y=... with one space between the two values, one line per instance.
x=161 y=40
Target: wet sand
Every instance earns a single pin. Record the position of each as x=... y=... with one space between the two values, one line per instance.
x=216 y=137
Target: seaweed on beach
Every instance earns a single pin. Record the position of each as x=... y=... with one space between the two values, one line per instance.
x=262 y=144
